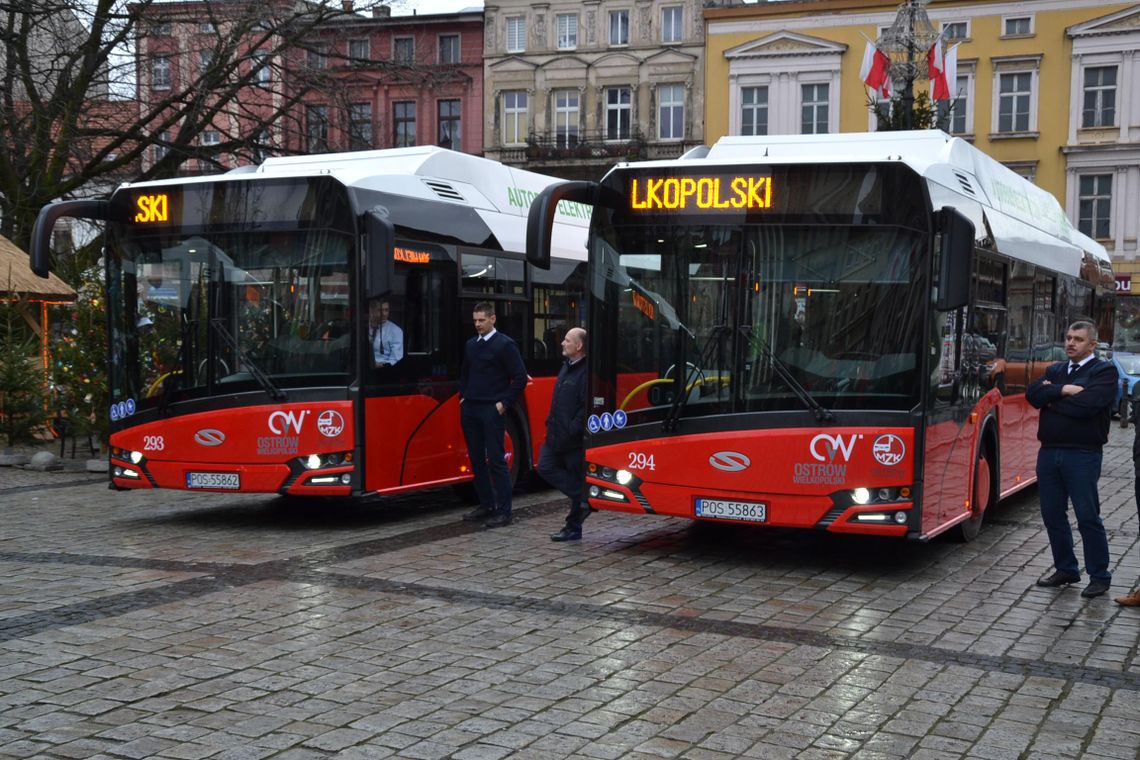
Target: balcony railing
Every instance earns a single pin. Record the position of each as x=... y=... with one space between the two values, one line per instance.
x=585 y=145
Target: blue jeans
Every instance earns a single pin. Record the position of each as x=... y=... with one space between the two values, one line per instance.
x=483 y=429
x=1064 y=474
x=565 y=470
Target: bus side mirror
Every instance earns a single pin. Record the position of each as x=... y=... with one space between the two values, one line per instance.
x=40 y=254
x=957 y=249
x=380 y=263
x=540 y=219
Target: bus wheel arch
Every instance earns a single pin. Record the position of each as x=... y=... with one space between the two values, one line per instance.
x=519 y=464
x=983 y=490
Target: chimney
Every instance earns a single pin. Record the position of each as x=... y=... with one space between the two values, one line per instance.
x=381 y=11
x=347 y=5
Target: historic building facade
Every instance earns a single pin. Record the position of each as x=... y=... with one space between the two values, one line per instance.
x=1049 y=88
x=573 y=86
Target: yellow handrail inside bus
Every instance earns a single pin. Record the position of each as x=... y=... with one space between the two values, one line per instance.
x=153 y=388
x=660 y=380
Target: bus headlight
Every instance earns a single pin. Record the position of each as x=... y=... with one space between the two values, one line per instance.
x=624 y=477
x=861 y=495
x=136 y=456
x=313 y=461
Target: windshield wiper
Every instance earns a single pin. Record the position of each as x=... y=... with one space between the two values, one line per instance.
x=822 y=413
x=250 y=366
x=669 y=424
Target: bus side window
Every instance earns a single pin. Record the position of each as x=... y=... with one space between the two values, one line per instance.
x=557 y=306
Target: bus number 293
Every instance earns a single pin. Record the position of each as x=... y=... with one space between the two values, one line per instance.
x=640 y=461
x=153 y=443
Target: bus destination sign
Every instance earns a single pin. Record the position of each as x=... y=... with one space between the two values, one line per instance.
x=700 y=193
x=152 y=208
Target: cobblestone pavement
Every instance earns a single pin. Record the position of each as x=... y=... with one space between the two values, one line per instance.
x=177 y=625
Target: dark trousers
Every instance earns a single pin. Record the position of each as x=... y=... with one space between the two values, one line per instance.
x=1071 y=474
x=565 y=471
x=483 y=429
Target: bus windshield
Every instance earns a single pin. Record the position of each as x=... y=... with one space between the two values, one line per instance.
x=207 y=307
x=751 y=317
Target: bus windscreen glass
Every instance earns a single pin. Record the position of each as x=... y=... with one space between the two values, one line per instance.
x=202 y=304
x=707 y=307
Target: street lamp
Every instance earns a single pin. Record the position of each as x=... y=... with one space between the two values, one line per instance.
x=906 y=43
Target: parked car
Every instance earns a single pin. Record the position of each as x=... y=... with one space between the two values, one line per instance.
x=1128 y=366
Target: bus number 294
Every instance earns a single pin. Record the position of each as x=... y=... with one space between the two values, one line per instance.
x=640 y=461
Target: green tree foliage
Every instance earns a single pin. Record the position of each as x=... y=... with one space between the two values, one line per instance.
x=22 y=405
x=80 y=391
x=891 y=114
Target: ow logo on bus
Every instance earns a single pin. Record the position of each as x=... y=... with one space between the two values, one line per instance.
x=834 y=445
x=282 y=422
x=889 y=449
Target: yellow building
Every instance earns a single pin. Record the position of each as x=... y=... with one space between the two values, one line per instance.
x=794 y=67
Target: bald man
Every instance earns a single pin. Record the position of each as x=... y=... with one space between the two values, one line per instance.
x=560 y=462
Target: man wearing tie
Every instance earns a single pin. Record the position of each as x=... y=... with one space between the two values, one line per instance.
x=1076 y=399
x=387 y=338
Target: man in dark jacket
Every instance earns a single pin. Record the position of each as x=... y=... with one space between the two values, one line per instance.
x=561 y=459
x=1076 y=399
x=491 y=378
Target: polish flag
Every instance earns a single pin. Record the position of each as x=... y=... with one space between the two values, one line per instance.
x=875 y=71
x=950 y=71
x=936 y=70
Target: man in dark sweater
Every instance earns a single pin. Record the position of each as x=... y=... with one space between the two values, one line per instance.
x=490 y=380
x=1075 y=398
x=560 y=462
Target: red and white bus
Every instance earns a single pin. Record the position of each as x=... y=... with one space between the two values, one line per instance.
x=238 y=314
x=831 y=332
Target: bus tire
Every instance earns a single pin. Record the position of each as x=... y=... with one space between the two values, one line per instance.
x=980 y=496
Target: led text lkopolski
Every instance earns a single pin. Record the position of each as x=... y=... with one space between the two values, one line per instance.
x=700 y=193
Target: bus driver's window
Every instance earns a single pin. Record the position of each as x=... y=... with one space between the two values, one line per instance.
x=384 y=335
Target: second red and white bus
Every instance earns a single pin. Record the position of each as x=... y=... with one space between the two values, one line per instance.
x=830 y=332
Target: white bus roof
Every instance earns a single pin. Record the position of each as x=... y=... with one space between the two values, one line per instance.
x=1025 y=221
x=499 y=194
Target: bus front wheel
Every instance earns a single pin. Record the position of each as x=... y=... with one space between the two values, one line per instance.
x=980 y=498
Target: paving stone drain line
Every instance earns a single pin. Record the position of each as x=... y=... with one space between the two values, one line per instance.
x=303 y=569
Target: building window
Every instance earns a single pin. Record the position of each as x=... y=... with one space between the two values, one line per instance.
x=1015 y=93
x=813 y=109
x=567 y=31
x=566 y=118
x=404 y=49
x=955 y=30
x=618 y=113
x=1099 y=97
x=358 y=51
x=671 y=112
x=262 y=145
x=1095 y=198
x=619 y=27
x=160 y=73
x=211 y=137
x=205 y=60
x=359 y=126
x=516 y=34
x=207 y=27
x=260 y=63
x=404 y=123
x=161 y=29
x=449 y=124
x=318 y=57
x=1017 y=26
x=671 y=26
x=754 y=110
x=953 y=112
x=449 y=48
x=515 y=120
x=161 y=145
x=317 y=129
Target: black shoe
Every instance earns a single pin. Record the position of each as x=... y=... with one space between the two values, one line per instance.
x=566 y=534
x=476 y=515
x=1095 y=588
x=498 y=520
x=1059 y=579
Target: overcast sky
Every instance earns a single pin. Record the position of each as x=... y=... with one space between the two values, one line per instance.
x=405 y=7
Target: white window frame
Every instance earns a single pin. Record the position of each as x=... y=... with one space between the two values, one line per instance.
x=567 y=116
x=621 y=16
x=404 y=121
x=623 y=111
x=1005 y=20
x=1011 y=68
x=211 y=137
x=452 y=120
x=1116 y=96
x=161 y=75
x=261 y=71
x=516 y=27
x=672 y=104
x=672 y=29
x=566 y=30
x=815 y=105
x=516 y=116
x=161 y=150
x=207 y=27
x=205 y=60
x=946 y=38
x=755 y=108
x=1097 y=201
x=965 y=102
x=458 y=47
